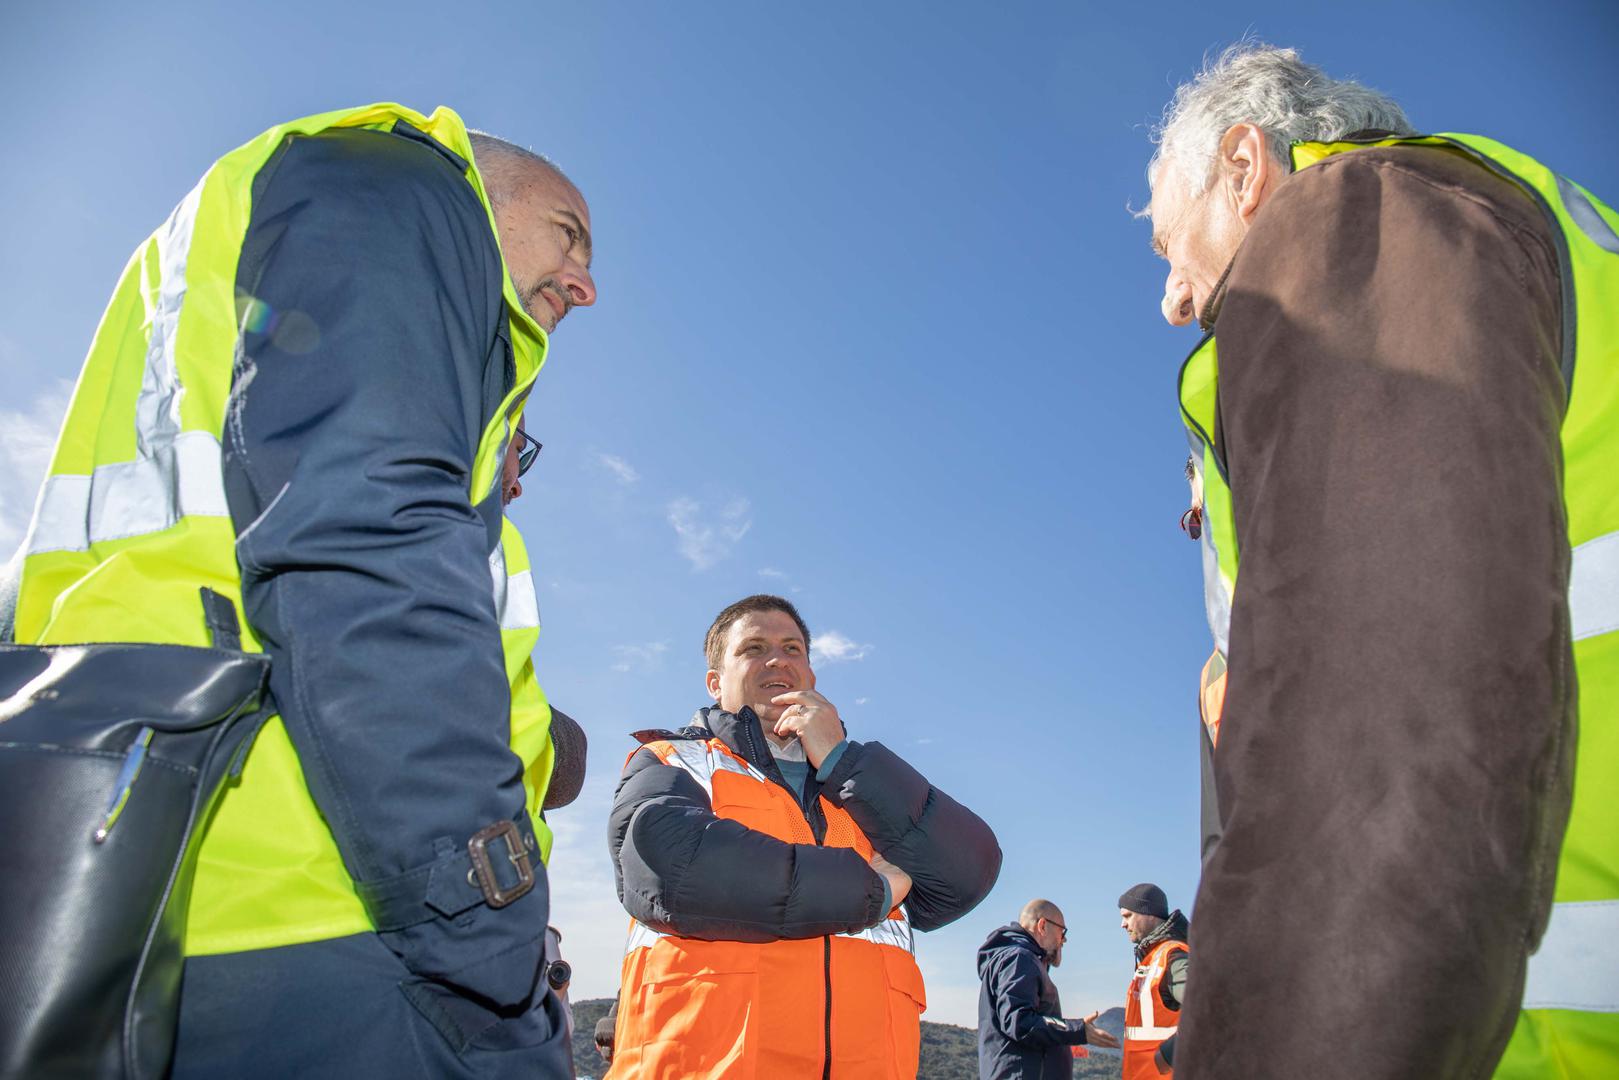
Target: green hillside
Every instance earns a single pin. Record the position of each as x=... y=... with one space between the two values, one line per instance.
x=948 y=1052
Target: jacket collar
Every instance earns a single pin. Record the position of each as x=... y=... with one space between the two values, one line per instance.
x=1174 y=928
x=742 y=732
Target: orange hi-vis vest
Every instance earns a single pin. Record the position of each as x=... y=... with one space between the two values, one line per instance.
x=847 y=1006
x=1211 y=695
x=1148 y=1019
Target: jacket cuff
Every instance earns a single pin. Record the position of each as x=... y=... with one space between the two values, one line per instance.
x=830 y=762
x=834 y=773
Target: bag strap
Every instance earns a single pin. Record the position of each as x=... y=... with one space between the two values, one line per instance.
x=223 y=625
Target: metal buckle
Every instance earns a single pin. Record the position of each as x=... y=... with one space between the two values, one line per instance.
x=517 y=852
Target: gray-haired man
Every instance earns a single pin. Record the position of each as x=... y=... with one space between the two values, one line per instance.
x=1391 y=706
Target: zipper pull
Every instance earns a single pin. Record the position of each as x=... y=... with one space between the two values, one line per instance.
x=126 y=780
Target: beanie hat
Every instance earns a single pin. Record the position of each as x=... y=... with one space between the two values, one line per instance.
x=1146 y=899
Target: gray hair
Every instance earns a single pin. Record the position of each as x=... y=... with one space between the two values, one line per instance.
x=505 y=166
x=1252 y=82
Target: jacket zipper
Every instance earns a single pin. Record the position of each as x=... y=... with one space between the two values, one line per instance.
x=809 y=806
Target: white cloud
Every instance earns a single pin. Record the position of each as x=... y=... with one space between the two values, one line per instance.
x=831 y=647
x=706 y=537
x=861 y=700
x=771 y=572
x=623 y=470
x=27 y=438
x=639 y=657
x=584 y=906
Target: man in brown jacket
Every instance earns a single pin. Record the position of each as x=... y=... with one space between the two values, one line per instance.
x=1388 y=410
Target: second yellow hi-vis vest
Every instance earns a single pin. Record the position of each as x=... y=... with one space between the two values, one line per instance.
x=1569 y=1026
x=132 y=519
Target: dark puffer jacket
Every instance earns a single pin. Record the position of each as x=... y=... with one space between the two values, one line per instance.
x=684 y=870
x=1021 y=1031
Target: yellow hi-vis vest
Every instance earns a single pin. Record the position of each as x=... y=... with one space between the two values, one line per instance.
x=1569 y=1025
x=132 y=519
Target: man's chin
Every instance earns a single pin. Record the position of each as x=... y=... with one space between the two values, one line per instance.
x=768 y=715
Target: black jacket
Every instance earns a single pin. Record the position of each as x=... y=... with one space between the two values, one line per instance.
x=681 y=869
x=1021 y=1032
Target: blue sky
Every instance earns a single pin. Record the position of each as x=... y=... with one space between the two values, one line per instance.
x=876 y=331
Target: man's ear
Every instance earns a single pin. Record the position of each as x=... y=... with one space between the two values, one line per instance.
x=1247 y=171
x=712 y=681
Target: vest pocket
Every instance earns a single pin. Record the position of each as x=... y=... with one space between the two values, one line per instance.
x=907 y=1001
x=690 y=1012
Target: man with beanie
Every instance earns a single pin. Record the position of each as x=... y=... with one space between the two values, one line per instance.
x=1152 y=1008
x=1021 y=1032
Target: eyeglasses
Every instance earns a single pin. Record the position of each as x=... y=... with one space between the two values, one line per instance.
x=527 y=451
x=1059 y=926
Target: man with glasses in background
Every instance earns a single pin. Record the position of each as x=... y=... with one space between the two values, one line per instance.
x=1021 y=1031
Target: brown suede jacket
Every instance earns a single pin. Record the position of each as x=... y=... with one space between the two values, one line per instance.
x=1395 y=757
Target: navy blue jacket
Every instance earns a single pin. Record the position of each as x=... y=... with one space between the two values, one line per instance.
x=379 y=352
x=1021 y=1031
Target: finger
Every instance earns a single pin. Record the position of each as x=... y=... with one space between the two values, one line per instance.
x=792 y=697
x=1093 y=1016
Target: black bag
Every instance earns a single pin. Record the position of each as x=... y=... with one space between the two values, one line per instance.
x=111 y=758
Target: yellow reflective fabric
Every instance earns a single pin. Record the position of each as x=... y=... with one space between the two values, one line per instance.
x=132 y=520
x=1570 y=1023
x=531 y=713
x=1199 y=379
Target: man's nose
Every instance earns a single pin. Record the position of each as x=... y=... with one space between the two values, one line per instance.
x=581 y=287
x=1177 y=303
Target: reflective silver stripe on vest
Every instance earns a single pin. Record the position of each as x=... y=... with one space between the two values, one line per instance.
x=1587 y=217
x=130 y=498
x=1574 y=966
x=895 y=932
x=175 y=474
x=1148 y=974
x=641 y=936
x=701 y=763
x=157 y=409
x=1148 y=1034
x=1593 y=587
x=516 y=605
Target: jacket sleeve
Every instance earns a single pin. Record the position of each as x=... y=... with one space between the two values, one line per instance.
x=1014 y=987
x=372 y=355
x=949 y=852
x=684 y=870
x=1174 y=985
x=1394 y=757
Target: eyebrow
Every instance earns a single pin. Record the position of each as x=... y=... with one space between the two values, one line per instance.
x=1157 y=245
x=796 y=639
x=584 y=233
